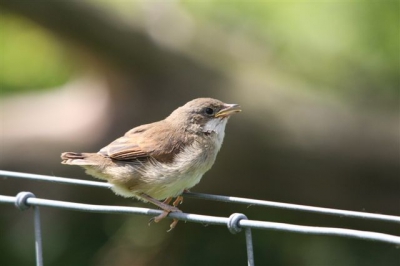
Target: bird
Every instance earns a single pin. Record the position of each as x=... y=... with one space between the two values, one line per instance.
x=159 y=161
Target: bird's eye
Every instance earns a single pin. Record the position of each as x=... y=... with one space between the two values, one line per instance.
x=209 y=111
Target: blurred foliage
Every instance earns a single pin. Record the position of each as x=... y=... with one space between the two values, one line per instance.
x=347 y=48
x=30 y=57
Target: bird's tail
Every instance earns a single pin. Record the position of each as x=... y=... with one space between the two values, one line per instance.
x=78 y=158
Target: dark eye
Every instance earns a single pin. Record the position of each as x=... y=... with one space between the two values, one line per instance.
x=209 y=111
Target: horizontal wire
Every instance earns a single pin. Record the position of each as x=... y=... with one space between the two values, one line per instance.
x=54 y=179
x=365 y=235
x=297 y=207
x=287 y=206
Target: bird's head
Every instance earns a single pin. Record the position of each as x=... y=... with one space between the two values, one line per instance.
x=203 y=115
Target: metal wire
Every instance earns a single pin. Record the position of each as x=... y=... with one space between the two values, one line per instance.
x=287 y=206
x=205 y=219
x=249 y=247
x=234 y=228
x=297 y=207
x=38 y=237
x=235 y=223
x=21 y=204
x=54 y=179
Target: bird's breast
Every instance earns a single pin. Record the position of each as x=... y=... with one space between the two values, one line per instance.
x=184 y=172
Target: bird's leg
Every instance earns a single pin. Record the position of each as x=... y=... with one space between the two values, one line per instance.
x=164 y=206
x=178 y=201
x=168 y=200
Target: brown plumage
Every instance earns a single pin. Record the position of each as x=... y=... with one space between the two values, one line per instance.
x=162 y=159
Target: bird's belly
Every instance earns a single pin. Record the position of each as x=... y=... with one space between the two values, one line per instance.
x=161 y=180
x=172 y=186
x=159 y=184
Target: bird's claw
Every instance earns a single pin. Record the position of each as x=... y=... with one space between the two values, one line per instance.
x=172 y=225
x=178 y=200
x=165 y=214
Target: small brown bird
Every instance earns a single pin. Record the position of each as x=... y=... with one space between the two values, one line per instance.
x=161 y=160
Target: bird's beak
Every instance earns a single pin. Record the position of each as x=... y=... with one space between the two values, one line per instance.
x=229 y=110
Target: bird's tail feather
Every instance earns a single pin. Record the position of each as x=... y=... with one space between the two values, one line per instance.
x=78 y=158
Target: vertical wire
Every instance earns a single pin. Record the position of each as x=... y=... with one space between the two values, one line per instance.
x=249 y=247
x=38 y=237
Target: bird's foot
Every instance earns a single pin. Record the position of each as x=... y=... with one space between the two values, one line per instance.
x=165 y=207
x=164 y=214
x=178 y=200
x=167 y=200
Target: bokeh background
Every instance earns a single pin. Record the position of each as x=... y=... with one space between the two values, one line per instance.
x=318 y=82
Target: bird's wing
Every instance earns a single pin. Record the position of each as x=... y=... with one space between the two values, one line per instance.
x=124 y=152
x=142 y=142
x=127 y=147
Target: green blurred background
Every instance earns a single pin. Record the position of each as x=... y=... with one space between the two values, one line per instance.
x=318 y=83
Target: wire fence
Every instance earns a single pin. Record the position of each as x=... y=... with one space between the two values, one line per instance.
x=235 y=222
